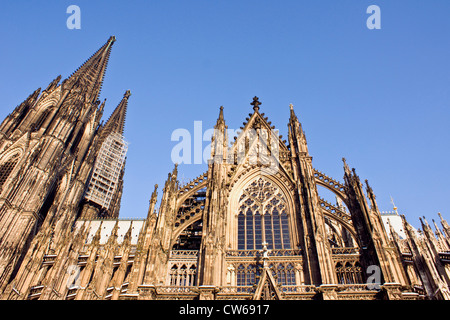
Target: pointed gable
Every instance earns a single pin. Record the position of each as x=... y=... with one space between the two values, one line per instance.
x=259 y=125
x=258 y=143
x=267 y=288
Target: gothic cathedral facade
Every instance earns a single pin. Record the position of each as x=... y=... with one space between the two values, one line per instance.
x=253 y=226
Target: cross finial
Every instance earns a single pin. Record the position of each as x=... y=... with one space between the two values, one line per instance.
x=256 y=103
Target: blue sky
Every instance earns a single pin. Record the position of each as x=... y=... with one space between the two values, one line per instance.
x=379 y=98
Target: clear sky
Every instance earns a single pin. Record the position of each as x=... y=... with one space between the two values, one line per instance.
x=379 y=98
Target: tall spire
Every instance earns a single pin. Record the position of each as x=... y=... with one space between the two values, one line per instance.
x=91 y=73
x=116 y=122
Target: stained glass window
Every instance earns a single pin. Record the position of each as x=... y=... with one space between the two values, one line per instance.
x=246 y=274
x=263 y=217
x=285 y=275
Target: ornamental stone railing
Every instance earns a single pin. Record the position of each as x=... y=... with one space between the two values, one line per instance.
x=258 y=253
x=345 y=250
x=184 y=254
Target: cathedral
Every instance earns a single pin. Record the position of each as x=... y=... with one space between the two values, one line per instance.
x=252 y=227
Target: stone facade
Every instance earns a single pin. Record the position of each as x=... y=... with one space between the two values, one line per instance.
x=253 y=226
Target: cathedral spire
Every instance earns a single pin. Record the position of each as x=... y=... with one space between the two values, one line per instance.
x=116 y=122
x=91 y=73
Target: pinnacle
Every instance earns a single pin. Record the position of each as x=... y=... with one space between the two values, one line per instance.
x=221 y=119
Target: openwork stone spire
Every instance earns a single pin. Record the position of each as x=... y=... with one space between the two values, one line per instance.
x=116 y=122
x=91 y=73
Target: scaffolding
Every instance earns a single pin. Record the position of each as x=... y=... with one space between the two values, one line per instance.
x=107 y=169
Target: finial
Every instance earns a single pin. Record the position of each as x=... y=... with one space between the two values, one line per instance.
x=175 y=171
x=346 y=168
x=112 y=39
x=221 y=113
x=291 y=106
x=154 y=194
x=256 y=103
x=127 y=94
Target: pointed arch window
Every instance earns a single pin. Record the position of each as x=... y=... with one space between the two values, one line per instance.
x=40 y=121
x=184 y=275
x=349 y=273
x=284 y=274
x=263 y=217
x=246 y=274
x=6 y=168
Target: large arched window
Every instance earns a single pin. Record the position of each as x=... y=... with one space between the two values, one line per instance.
x=40 y=121
x=6 y=169
x=263 y=217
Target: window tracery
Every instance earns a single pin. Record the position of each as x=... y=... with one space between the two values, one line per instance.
x=247 y=274
x=183 y=275
x=6 y=169
x=349 y=273
x=285 y=275
x=263 y=217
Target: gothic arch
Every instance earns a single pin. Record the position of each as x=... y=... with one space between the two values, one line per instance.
x=39 y=119
x=346 y=224
x=189 y=211
x=45 y=108
x=15 y=152
x=234 y=199
x=332 y=185
x=339 y=233
x=177 y=230
x=190 y=188
x=7 y=165
x=49 y=101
